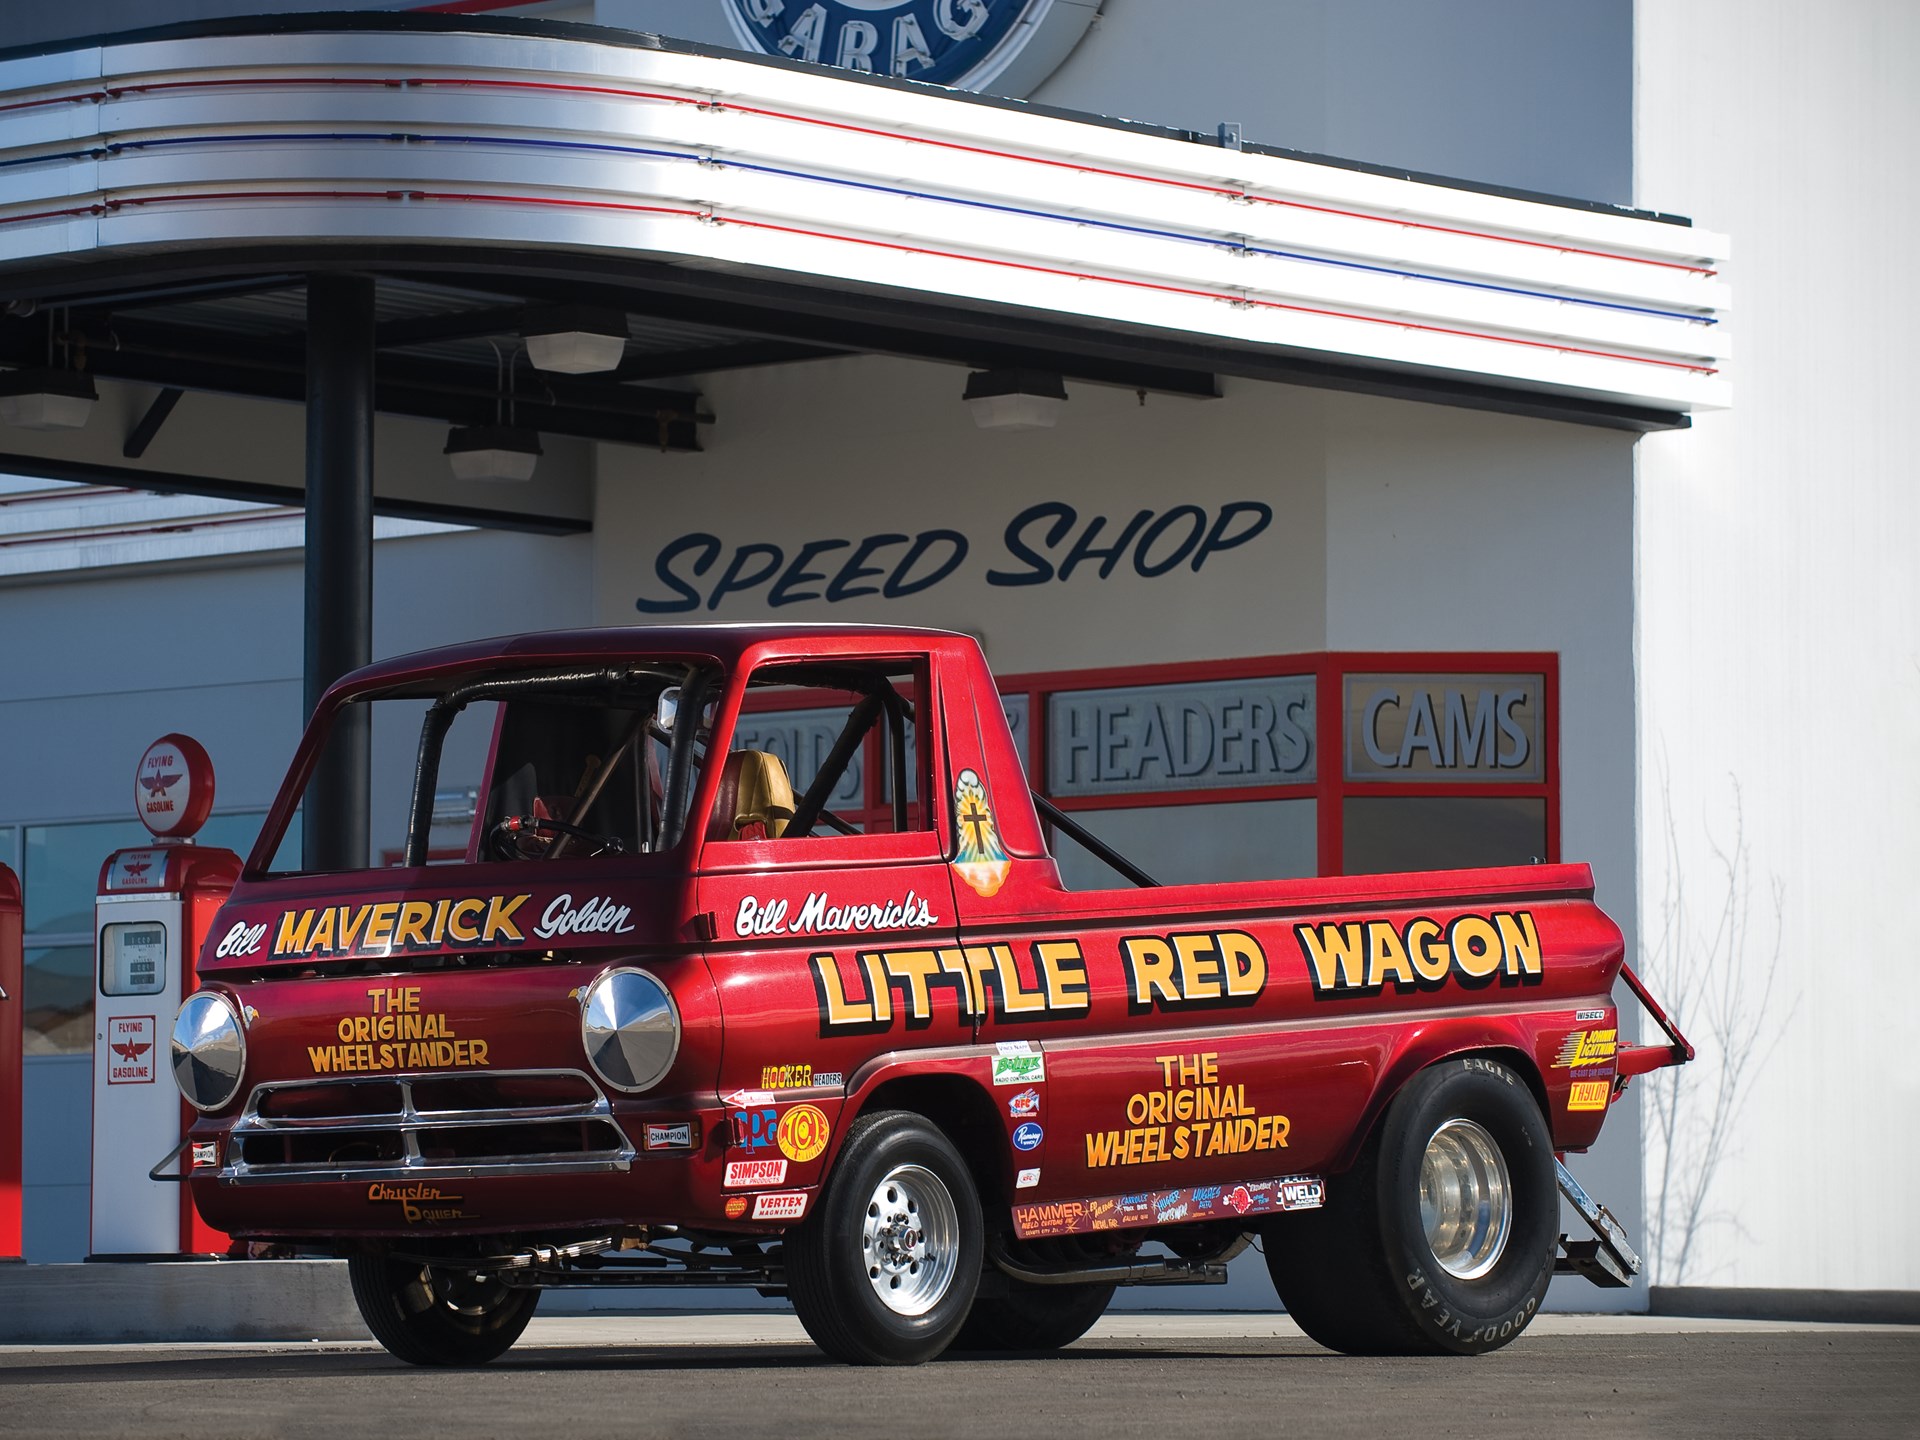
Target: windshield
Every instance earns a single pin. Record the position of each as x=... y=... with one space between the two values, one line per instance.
x=528 y=766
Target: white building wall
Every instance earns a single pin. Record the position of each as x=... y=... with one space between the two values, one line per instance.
x=1779 y=642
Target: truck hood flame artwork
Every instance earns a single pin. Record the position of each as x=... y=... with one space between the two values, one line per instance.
x=692 y=1027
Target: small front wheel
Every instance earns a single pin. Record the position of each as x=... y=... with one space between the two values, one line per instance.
x=1034 y=1317
x=884 y=1270
x=1441 y=1239
x=429 y=1315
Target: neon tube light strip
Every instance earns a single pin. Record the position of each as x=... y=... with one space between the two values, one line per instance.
x=383 y=137
x=714 y=105
x=709 y=217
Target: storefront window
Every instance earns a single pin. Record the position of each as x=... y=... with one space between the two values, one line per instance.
x=1196 y=844
x=1289 y=766
x=60 y=875
x=1433 y=832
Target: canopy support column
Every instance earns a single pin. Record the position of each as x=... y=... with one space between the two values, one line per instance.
x=339 y=566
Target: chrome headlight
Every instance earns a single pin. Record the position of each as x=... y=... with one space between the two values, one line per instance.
x=209 y=1050
x=630 y=1028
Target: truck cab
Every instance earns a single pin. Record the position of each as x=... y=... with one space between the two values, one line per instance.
x=754 y=967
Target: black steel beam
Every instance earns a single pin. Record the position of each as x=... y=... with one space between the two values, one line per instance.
x=470 y=324
x=339 y=560
x=775 y=308
x=196 y=358
x=676 y=364
x=169 y=482
x=142 y=434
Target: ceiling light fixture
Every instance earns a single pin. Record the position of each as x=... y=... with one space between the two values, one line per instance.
x=502 y=450
x=575 y=339
x=1015 y=399
x=492 y=452
x=46 y=399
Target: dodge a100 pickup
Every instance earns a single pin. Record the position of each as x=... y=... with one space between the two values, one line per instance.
x=667 y=1017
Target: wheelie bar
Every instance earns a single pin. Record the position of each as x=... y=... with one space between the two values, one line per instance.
x=1607 y=1259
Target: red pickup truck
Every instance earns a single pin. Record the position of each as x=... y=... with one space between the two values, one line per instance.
x=755 y=970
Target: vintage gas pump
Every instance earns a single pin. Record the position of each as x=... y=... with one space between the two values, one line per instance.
x=151 y=913
x=12 y=1080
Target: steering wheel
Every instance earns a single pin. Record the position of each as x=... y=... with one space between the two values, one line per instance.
x=505 y=839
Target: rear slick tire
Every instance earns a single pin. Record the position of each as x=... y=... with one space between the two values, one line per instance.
x=426 y=1315
x=1440 y=1241
x=884 y=1270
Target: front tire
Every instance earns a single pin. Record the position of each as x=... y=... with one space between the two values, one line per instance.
x=427 y=1315
x=1441 y=1239
x=1033 y=1317
x=883 y=1272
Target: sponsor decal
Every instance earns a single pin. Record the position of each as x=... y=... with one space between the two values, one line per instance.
x=786 y=1077
x=1190 y=1115
x=205 y=1152
x=1026 y=1103
x=1582 y=1017
x=780 y=1205
x=1028 y=1136
x=242 y=939
x=396 y=1034
x=755 y=1129
x=1588 y=1095
x=419 y=1204
x=1360 y=957
x=596 y=916
x=982 y=860
x=752 y=1174
x=1199 y=971
x=396 y=927
x=1014 y=1047
x=744 y=1099
x=1019 y=1069
x=889 y=985
x=798 y=1077
x=818 y=916
x=1057 y=1217
x=130 y=1050
x=1027 y=1179
x=1586 y=1048
x=736 y=1206
x=669 y=1137
x=802 y=1133
x=1168 y=1207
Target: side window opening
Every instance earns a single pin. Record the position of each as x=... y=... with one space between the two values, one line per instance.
x=822 y=749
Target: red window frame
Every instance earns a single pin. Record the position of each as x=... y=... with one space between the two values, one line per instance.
x=1330 y=788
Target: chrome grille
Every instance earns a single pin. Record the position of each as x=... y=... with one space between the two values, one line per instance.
x=514 y=1122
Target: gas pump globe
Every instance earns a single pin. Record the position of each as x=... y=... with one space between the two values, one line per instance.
x=152 y=911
